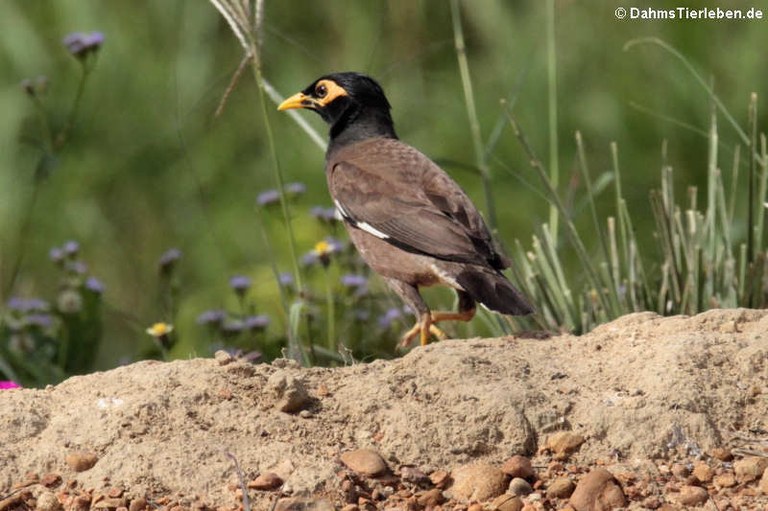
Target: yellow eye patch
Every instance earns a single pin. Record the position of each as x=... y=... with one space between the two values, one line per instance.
x=328 y=90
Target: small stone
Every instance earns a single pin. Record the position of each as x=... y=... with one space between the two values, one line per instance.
x=306 y=414
x=692 y=496
x=507 y=502
x=413 y=475
x=726 y=480
x=51 y=480
x=560 y=488
x=749 y=469
x=364 y=461
x=518 y=466
x=223 y=357
x=138 y=504
x=703 y=473
x=763 y=485
x=109 y=503
x=81 y=461
x=475 y=507
x=47 y=501
x=477 y=482
x=303 y=504
x=563 y=444
x=722 y=454
x=440 y=478
x=289 y=392
x=265 y=482
x=520 y=487
x=598 y=491
x=430 y=498
x=115 y=492
x=680 y=470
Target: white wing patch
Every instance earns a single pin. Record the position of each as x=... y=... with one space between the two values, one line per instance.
x=372 y=230
x=365 y=226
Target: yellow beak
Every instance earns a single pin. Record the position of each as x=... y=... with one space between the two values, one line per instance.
x=298 y=100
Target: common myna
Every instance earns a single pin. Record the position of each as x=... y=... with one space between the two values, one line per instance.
x=409 y=220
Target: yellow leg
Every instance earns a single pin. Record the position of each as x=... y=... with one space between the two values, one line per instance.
x=423 y=328
x=426 y=325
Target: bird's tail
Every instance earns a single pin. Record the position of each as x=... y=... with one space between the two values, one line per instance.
x=492 y=289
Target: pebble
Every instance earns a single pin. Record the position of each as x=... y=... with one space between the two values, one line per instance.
x=430 y=498
x=289 y=392
x=763 y=484
x=109 y=503
x=560 y=488
x=50 y=480
x=223 y=358
x=81 y=461
x=726 y=480
x=520 y=487
x=692 y=496
x=507 y=502
x=364 y=461
x=598 y=490
x=266 y=481
x=518 y=466
x=47 y=501
x=722 y=454
x=477 y=482
x=703 y=473
x=749 y=469
x=563 y=444
x=680 y=470
x=413 y=475
x=138 y=504
x=440 y=478
x=475 y=507
x=303 y=504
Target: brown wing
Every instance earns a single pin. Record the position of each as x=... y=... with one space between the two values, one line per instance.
x=393 y=191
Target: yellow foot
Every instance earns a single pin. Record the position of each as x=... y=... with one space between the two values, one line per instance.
x=422 y=330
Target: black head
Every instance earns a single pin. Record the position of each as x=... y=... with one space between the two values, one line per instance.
x=352 y=103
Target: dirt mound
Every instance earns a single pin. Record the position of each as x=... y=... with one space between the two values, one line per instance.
x=639 y=388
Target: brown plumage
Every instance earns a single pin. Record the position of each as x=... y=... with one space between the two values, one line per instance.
x=409 y=220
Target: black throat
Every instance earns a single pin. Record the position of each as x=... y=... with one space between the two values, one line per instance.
x=359 y=123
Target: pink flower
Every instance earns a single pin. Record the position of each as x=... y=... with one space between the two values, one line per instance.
x=7 y=384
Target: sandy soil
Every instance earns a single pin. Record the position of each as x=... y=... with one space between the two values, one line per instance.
x=652 y=398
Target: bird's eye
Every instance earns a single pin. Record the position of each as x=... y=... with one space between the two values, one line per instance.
x=321 y=91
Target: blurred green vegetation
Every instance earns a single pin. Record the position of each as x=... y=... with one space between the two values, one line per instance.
x=147 y=166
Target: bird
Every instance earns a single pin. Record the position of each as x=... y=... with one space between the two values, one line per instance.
x=408 y=219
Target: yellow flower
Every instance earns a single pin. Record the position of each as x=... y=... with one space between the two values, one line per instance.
x=160 y=329
x=322 y=248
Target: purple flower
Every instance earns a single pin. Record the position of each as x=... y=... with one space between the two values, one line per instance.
x=81 y=44
x=94 y=285
x=296 y=188
x=25 y=305
x=240 y=284
x=285 y=279
x=168 y=260
x=212 y=317
x=56 y=255
x=71 y=248
x=259 y=322
x=39 y=320
x=353 y=280
x=267 y=198
x=7 y=384
x=327 y=215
